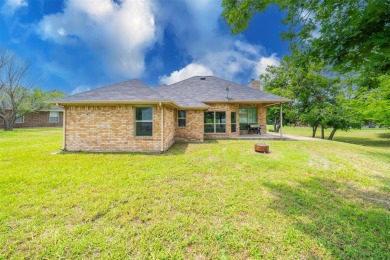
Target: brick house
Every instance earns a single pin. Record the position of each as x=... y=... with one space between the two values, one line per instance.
x=130 y=116
x=44 y=118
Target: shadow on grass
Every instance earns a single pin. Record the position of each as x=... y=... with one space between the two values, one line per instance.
x=350 y=223
x=384 y=135
x=176 y=149
x=383 y=155
x=182 y=147
x=366 y=141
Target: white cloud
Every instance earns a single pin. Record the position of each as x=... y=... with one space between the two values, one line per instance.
x=80 y=89
x=238 y=61
x=264 y=62
x=120 y=33
x=188 y=71
x=11 y=6
x=236 y=58
x=197 y=32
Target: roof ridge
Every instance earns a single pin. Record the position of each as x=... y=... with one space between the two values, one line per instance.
x=165 y=87
x=158 y=94
x=181 y=92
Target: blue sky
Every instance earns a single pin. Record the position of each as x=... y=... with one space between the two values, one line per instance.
x=76 y=45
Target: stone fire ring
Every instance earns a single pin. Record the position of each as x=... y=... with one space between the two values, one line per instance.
x=262 y=148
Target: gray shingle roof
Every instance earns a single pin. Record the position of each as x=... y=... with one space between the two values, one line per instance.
x=178 y=97
x=210 y=88
x=131 y=90
x=190 y=93
x=53 y=109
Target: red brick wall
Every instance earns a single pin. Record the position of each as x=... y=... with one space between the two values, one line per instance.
x=112 y=128
x=169 y=127
x=193 y=131
x=37 y=119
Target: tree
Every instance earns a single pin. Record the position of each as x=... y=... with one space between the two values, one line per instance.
x=351 y=35
x=374 y=104
x=277 y=81
x=310 y=85
x=17 y=93
x=340 y=117
x=313 y=118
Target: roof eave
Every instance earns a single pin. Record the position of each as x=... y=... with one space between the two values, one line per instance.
x=194 y=108
x=250 y=101
x=111 y=102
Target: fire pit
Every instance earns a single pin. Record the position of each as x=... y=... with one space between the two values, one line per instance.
x=262 y=148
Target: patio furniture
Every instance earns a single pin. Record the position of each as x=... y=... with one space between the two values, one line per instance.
x=254 y=129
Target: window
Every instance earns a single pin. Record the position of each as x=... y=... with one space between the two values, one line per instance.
x=233 y=125
x=181 y=118
x=54 y=117
x=19 y=119
x=248 y=116
x=144 y=121
x=214 y=122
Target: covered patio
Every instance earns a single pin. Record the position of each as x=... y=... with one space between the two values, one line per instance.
x=252 y=124
x=267 y=136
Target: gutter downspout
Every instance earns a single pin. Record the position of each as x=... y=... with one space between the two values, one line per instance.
x=281 y=121
x=162 y=128
x=63 y=129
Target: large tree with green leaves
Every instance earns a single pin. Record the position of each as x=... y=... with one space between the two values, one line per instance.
x=374 y=104
x=350 y=35
x=320 y=97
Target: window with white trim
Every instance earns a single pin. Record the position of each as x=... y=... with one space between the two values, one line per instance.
x=215 y=122
x=144 y=121
x=54 y=117
x=19 y=120
x=181 y=118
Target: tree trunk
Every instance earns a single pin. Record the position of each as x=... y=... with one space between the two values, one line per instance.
x=276 y=125
x=322 y=132
x=314 y=131
x=277 y=128
x=9 y=121
x=8 y=126
x=332 y=134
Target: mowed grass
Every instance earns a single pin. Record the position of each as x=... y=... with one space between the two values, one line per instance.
x=376 y=137
x=218 y=199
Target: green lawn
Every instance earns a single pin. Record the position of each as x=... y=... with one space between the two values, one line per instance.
x=213 y=200
x=366 y=136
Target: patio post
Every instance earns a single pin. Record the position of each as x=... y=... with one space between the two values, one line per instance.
x=281 y=121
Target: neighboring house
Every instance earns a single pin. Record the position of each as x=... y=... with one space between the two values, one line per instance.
x=44 y=118
x=131 y=116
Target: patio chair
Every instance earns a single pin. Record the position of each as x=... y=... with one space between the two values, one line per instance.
x=254 y=129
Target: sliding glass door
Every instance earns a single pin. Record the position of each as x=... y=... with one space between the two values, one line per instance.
x=248 y=116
